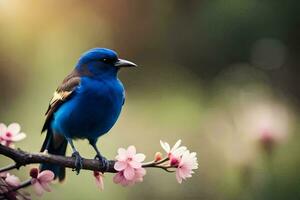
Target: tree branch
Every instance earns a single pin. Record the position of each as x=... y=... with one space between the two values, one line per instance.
x=23 y=158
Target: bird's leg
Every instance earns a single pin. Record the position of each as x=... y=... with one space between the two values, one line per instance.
x=76 y=155
x=99 y=157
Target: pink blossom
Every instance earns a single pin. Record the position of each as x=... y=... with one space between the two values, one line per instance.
x=129 y=161
x=157 y=156
x=120 y=178
x=12 y=180
x=129 y=165
x=187 y=163
x=176 y=151
x=10 y=134
x=40 y=180
x=99 y=180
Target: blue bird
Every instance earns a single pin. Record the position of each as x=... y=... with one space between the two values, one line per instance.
x=85 y=106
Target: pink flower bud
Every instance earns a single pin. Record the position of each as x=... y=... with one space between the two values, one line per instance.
x=99 y=180
x=157 y=156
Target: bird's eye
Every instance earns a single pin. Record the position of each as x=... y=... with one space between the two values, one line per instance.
x=106 y=60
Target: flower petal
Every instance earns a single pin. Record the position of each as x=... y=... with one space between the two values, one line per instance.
x=14 y=128
x=12 y=180
x=46 y=186
x=165 y=146
x=179 y=152
x=182 y=172
x=176 y=145
x=118 y=178
x=3 y=128
x=135 y=164
x=193 y=154
x=140 y=172
x=139 y=157
x=46 y=176
x=179 y=179
x=39 y=190
x=131 y=151
x=122 y=154
x=99 y=181
x=124 y=182
x=18 y=137
x=120 y=165
x=129 y=173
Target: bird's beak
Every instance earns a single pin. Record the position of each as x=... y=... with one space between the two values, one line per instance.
x=124 y=63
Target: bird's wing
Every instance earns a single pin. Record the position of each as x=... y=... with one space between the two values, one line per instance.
x=62 y=94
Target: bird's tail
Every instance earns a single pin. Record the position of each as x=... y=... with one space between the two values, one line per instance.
x=56 y=148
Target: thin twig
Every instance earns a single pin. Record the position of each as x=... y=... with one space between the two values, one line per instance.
x=152 y=163
x=166 y=168
x=22 y=185
x=9 y=167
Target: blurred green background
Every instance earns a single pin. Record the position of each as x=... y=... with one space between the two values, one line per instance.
x=220 y=75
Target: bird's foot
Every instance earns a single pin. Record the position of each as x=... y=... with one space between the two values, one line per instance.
x=78 y=162
x=104 y=162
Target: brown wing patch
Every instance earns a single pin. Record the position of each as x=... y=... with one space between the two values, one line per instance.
x=57 y=97
x=62 y=94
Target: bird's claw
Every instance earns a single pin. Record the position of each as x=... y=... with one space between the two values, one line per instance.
x=104 y=162
x=78 y=162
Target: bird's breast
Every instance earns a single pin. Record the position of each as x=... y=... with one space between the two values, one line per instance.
x=93 y=110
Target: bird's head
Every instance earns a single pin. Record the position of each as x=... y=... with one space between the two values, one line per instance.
x=102 y=62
